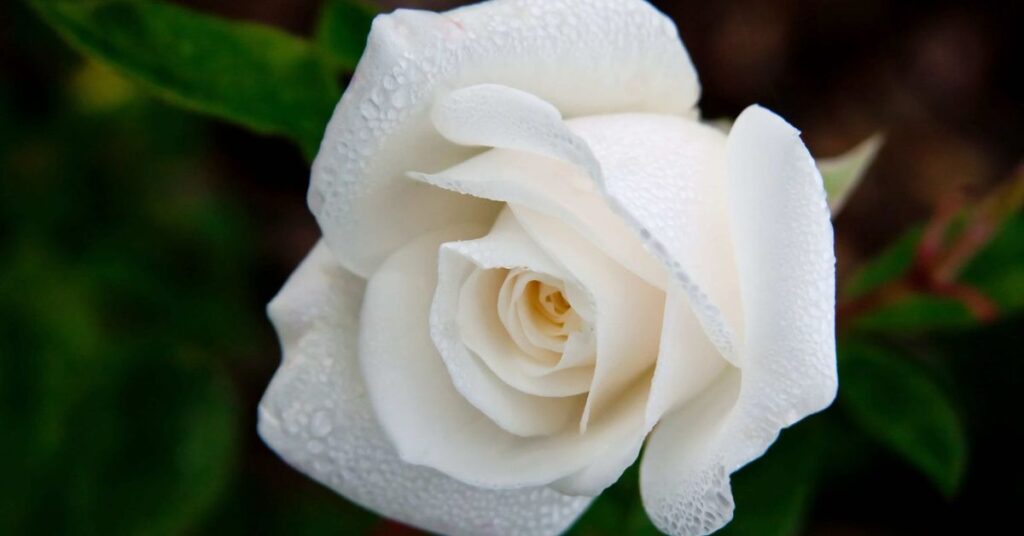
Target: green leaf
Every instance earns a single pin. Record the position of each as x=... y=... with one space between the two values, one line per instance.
x=251 y=74
x=892 y=263
x=998 y=270
x=896 y=403
x=342 y=30
x=917 y=313
x=773 y=493
x=843 y=173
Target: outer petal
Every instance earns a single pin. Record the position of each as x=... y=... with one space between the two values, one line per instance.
x=429 y=422
x=684 y=474
x=666 y=177
x=601 y=56
x=687 y=361
x=783 y=242
x=782 y=234
x=317 y=416
x=491 y=115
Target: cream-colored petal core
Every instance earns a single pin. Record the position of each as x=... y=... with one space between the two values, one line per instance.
x=516 y=411
x=628 y=311
x=466 y=322
x=519 y=309
x=511 y=288
x=480 y=332
x=426 y=418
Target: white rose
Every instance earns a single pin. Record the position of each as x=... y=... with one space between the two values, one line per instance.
x=535 y=259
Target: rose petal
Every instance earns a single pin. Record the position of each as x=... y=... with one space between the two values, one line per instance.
x=521 y=412
x=487 y=378
x=684 y=473
x=687 y=361
x=464 y=336
x=556 y=188
x=619 y=453
x=666 y=176
x=316 y=415
x=423 y=414
x=498 y=116
x=782 y=235
x=627 y=323
x=596 y=57
x=517 y=311
x=664 y=187
x=783 y=241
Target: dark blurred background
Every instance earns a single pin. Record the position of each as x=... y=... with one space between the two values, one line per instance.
x=139 y=244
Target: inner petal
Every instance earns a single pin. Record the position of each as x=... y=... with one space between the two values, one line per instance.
x=431 y=422
x=517 y=411
x=487 y=310
x=510 y=297
x=553 y=303
x=534 y=310
x=627 y=325
x=484 y=334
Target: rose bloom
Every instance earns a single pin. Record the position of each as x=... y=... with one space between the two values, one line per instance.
x=536 y=261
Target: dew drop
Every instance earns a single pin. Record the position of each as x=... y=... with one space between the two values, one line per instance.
x=369 y=109
x=400 y=97
x=321 y=425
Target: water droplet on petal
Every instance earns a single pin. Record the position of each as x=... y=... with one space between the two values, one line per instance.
x=400 y=97
x=321 y=425
x=369 y=109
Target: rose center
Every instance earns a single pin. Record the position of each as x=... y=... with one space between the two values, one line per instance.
x=549 y=302
x=537 y=314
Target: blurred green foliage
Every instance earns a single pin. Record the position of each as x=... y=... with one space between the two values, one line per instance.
x=121 y=295
x=255 y=75
x=774 y=493
x=896 y=403
x=997 y=272
x=116 y=403
x=892 y=263
x=129 y=310
x=340 y=30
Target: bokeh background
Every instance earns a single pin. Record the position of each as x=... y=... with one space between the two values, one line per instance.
x=140 y=242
